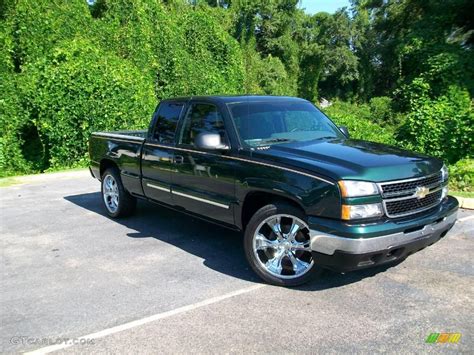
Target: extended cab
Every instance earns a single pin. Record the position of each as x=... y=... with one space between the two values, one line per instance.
x=306 y=195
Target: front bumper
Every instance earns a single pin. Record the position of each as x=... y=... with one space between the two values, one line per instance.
x=353 y=246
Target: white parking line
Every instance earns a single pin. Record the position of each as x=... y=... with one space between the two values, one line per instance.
x=465 y=218
x=139 y=322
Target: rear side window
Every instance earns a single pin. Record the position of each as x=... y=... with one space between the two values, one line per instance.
x=202 y=118
x=168 y=116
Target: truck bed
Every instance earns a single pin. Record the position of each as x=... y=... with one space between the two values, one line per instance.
x=123 y=148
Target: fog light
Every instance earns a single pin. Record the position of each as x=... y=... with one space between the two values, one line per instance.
x=361 y=211
x=444 y=192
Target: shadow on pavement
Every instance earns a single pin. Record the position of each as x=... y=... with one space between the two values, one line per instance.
x=332 y=279
x=220 y=248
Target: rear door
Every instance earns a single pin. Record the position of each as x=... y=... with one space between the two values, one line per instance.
x=158 y=153
x=204 y=180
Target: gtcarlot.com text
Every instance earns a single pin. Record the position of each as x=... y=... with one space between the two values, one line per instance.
x=28 y=340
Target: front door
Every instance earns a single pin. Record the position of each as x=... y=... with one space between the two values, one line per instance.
x=204 y=180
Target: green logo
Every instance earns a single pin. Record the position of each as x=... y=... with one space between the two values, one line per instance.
x=443 y=338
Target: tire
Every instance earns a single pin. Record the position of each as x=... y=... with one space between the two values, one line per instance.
x=117 y=201
x=276 y=254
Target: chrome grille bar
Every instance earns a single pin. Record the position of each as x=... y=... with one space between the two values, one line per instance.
x=400 y=199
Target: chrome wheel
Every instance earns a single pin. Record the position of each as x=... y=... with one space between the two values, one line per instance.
x=110 y=193
x=281 y=245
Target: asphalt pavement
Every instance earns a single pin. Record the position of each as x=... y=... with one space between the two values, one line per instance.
x=76 y=281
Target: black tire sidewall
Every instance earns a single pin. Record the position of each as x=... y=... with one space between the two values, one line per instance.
x=262 y=214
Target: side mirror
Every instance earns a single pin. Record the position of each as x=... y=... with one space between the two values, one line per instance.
x=345 y=131
x=209 y=141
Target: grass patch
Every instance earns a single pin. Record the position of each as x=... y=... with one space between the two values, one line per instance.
x=462 y=194
x=9 y=181
x=21 y=179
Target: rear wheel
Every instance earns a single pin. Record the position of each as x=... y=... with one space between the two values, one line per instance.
x=117 y=201
x=277 y=245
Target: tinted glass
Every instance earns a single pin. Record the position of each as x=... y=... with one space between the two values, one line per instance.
x=263 y=123
x=202 y=118
x=168 y=116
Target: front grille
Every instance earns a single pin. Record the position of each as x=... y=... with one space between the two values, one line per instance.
x=412 y=205
x=399 y=197
x=406 y=188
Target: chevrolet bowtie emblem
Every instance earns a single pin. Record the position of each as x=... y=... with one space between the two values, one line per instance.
x=421 y=192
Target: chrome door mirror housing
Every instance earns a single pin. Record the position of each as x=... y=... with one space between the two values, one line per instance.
x=210 y=141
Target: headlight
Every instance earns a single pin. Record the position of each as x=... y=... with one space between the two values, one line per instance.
x=444 y=192
x=357 y=188
x=361 y=211
x=444 y=173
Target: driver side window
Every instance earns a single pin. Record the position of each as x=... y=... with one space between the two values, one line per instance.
x=202 y=118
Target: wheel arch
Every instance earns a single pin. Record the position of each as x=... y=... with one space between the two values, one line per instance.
x=106 y=164
x=254 y=200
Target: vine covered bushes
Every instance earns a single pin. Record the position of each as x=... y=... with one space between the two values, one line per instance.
x=78 y=89
x=68 y=68
x=360 y=121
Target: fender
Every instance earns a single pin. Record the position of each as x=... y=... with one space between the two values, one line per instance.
x=314 y=196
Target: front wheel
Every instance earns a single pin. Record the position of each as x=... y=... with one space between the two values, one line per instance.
x=117 y=201
x=277 y=246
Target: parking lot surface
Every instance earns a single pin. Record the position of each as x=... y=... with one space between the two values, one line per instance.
x=161 y=281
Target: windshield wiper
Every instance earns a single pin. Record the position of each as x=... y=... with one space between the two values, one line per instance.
x=275 y=140
x=326 y=137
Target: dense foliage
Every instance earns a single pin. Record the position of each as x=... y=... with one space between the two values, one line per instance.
x=398 y=71
x=361 y=119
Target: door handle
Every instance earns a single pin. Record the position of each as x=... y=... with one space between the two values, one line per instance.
x=178 y=159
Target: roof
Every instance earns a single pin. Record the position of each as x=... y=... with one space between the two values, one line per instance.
x=237 y=98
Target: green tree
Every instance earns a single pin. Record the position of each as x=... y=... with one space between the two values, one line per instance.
x=329 y=66
x=401 y=37
x=272 y=26
x=68 y=68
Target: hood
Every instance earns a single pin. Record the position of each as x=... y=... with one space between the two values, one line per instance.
x=352 y=159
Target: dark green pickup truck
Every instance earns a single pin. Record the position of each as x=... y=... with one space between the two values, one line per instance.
x=306 y=195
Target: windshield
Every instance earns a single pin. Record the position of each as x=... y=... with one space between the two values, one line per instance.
x=264 y=123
